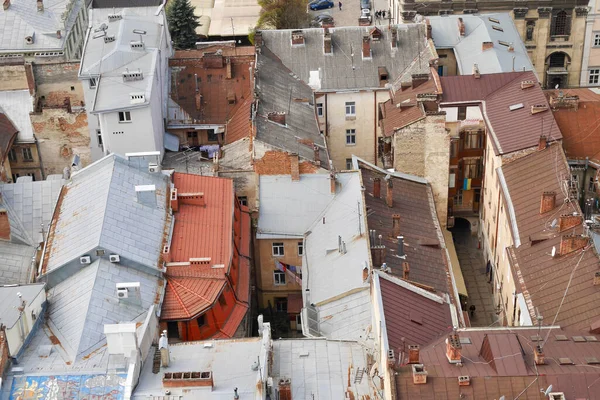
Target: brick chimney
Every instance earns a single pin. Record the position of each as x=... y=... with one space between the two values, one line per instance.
x=543 y=143
x=389 y=199
x=229 y=72
x=327 y=47
x=332 y=181
x=376 y=188
x=419 y=79
x=538 y=355
x=297 y=38
x=277 y=117
x=395 y=225
x=571 y=243
x=405 y=270
x=453 y=349
x=6 y=4
x=511 y=48
x=40 y=6
x=419 y=374
x=568 y=221
x=464 y=380
x=58 y=34
x=366 y=47
x=198 y=98
x=461 y=27
x=294 y=167
x=413 y=354
x=4 y=225
x=174 y=200
x=597 y=278
x=196 y=199
x=285 y=389
x=538 y=108
x=378 y=255
x=548 y=202
x=487 y=46
x=317 y=151
x=527 y=84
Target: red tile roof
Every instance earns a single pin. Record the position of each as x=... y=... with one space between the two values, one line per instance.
x=505 y=367
x=410 y=317
x=495 y=93
x=544 y=278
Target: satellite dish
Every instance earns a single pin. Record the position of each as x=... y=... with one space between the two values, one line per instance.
x=547 y=391
x=502 y=398
x=553 y=224
x=553 y=251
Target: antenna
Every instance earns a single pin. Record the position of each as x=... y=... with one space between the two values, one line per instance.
x=539 y=318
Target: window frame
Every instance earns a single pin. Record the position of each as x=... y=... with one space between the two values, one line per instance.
x=320 y=109
x=93 y=83
x=472 y=168
x=461 y=112
x=12 y=155
x=300 y=248
x=350 y=109
x=281 y=301
x=560 y=24
x=596 y=39
x=27 y=154
x=351 y=137
x=593 y=76
x=243 y=200
x=124 y=117
x=348 y=164
x=279 y=278
x=212 y=137
x=99 y=138
x=277 y=249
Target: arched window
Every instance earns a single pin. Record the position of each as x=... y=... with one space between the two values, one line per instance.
x=557 y=60
x=560 y=24
x=530 y=29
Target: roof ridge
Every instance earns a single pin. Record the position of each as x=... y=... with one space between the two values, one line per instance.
x=518 y=74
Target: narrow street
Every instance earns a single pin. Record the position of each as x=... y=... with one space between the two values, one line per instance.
x=472 y=265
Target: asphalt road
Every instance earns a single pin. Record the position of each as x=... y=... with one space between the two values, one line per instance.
x=350 y=12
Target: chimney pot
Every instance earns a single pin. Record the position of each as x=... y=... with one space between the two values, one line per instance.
x=461 y=27
x=405 y=270
x=453 y=349
x=389 y=199
x=376 y=188
x=571 y=243
x=538 y=355
x=543 y=141
x=419 y=374
x=395 y=225
x=413 y=354
x=568 y=221
x=548 y=202
x=400 y=250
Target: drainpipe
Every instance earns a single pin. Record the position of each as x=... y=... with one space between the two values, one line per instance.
x=375 y=127
x=37 y=146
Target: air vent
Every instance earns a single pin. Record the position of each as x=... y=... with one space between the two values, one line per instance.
x=565 y=361
x=137 y=45
x=137 y=98
x=133 y=76
x=516 y=107
x=561 y=338
x=84 y=260
x=114 y=17
x=114 y=258
x=494 y=20
x=122 y=293
x=109 y=39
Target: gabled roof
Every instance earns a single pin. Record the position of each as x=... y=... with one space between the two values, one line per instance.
x=495 y=94
x=8 y=133
x=16 y=105
x=81 y=305
x=99 y=209
x=9 y=302
x=495 y=28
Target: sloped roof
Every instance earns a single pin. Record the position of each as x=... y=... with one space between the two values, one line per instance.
x=81 y=305
x=16 y=263
x=478 y=29
x=9 y=302
x=238 y=126
x=8 y=132
x=523 y=182
x=495 y=93
x=17 y=104
x=99 y=208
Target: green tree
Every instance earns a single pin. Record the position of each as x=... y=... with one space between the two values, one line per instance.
x=182 y=23
x=283 y=14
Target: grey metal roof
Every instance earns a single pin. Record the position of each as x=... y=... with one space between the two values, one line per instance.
x=346 y=68
x=479 y=29
x=9 y=301
x=81 y=305
x=23 y=19
x=289 y=208
x=17 y=104
x=125 y=3
x=15 y=262
x=99 y=209
x=278 y=90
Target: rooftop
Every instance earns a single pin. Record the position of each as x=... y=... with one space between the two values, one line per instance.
x=226 y=17
x=128 y=3
x=16 y=105
x=495 y=94
x=9 y=301
x=22 y=19
x=8 y=133
x=498 y=30
x=523 y=182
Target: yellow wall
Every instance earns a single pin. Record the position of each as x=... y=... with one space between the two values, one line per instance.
x=448 y=59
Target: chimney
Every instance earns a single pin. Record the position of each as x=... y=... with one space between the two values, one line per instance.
x=195 y=199
x=377 y=188
x=429 y=34
x=548 y=202
x=543 y=143
x=174 y=200
x=4 y=225
x=511 y=48
x=400 y=250
x=527 y=84
x=366 y=46
x=163 y=346
x=453 y=349
x=571 y=243
x=419 y=79
x=294 y=167
x=413 y=354
x=461 y=27
x=538 y=108
x=58 y=34
x=476 y=73
x=405 y=270
x=464 y=380
x=317 y=151
x=258 y=42
x=198 y=99
x=568 y=221
x=6 y=4
x=394 y=39
x=40 y=6
x=327 y=47
x=487 y=46
x=395 y=225
x=188 y=379
x=389 y=199
x=419 y=374
x=297 y=38
x=285 y=389
x=597 y=278
x=166 y=254
x=228 y=71
x=538 y=355
x=277 y=117
x=332 y=182
x=378 y=255
x=146 y=195
x=365 y=274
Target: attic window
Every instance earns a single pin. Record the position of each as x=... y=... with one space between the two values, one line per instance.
x=502 y=42
x=497 y=28
x=494 y=20
x=592 y=360
x=516 y=107
x=591 y=338
x=561 y=338
x=376 y=34
x=578 y=339
x=565 y=361
x=465 y=340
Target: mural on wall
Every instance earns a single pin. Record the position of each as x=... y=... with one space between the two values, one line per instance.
x=59 y=387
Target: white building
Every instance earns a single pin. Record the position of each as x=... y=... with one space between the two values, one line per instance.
x=124 y=68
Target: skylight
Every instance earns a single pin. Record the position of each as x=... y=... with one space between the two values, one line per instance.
x=494 y=20
x=516 y=107
x=497 y=28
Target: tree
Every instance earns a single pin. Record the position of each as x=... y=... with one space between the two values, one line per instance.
x=283 y=14
x=182 y=23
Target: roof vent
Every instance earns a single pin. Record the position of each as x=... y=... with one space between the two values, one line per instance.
x=114 y=17
x=527 y=84
x=538 y=108
x=137 y=98
x=556 y=396
x=30 y=39
x=516 y=107
x=464 y=380
x=497 y=28
x=132 y=76
x=84 y=260
x=137 y=45
x=109 y=39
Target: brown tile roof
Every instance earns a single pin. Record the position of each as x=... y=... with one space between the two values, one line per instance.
x=495 y=93
x=544 y=278
x=580 y=128
x=505 y=367
x=238 y=126
x=8 y=133
x=410 y=317
x=413 y=201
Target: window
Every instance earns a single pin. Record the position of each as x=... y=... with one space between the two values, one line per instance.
x=281 y=304
x=594 y=76
x=243 y=200
x=473 y=140
x=348 y=163
x=124 y=116
x=350 y=108
x=462 y=113
x=212 y=136
x=300 y=249
x=32 y=175
x=453 y=148
x=596 y=39
x=72 y=88
x=15 y=177
x=27 y=156
x=560 y=24
x=320 y=109
x=472 y=168
x=278 y=249
x=529 y=30
x=12 y=155
x=201 y=321
x=99 y=136
x=93 y=83
x=350 y=136
x=591 y=185
x=193 y=134
x=222 y=300
x=557 y=60
x=278 y=277
x=458 y=198
x=173 y=329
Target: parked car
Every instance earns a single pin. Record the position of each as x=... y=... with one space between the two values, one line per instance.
x=365 y=4
x=323 y=19
x=321 y=5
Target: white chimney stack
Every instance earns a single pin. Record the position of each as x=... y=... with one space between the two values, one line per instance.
x=163 y=346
